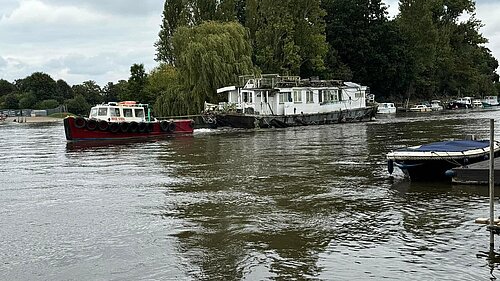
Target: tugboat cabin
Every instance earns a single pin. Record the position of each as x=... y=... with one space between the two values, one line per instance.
x=126 y=111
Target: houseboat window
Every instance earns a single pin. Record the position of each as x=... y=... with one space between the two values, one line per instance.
x=297 y=96
x=358 y=94
x=247 y=97
x=320 y=96
x=285 y=97
x=93 y=112
x=334 y=95
x=127 y=112
x=115 y=112
x=309 y=96
x=139 y=112
x=103 y=111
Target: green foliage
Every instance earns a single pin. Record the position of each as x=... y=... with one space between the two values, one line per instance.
x=63 y=91
x=27 y=100
x=448 y=54
x=136 y=84
x=209 y=56
x=47 y=104
x=78 y=105
x=90 y=91
x=289 y=36
x=39 y=84
x=178 y=13
x=165 y=81
x=11 y=101
x=6 y=87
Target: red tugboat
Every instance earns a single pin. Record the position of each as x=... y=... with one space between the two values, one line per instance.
x=122 y=121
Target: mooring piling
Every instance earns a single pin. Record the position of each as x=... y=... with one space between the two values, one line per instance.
x=492 y=184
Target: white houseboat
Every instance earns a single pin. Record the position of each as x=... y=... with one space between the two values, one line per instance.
x=285 y=101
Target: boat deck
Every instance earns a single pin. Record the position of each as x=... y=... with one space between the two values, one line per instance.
x=477 y=173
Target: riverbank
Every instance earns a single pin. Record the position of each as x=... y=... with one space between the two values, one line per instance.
x=29 y=119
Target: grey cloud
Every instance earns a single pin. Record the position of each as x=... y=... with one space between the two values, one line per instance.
x=84 y=65
x=3 y=62
x=118 y=7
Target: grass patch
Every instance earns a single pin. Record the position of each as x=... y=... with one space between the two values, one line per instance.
x=61 y=115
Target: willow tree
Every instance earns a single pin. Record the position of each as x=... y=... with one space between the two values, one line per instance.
x=208 y=56
x=171 y=100
x=178 y=13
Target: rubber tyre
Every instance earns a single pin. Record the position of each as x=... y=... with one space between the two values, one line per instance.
x=80 y=122
x=91 y=125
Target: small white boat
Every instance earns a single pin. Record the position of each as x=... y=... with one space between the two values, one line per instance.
x=477 y=103
x=386 y=108
x=420 y=108
x=490 y=101
x=436 y=105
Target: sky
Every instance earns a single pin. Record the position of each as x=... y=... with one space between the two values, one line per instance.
x=81 y=40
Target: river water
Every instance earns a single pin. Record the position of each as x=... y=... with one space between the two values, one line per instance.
x=279 y=204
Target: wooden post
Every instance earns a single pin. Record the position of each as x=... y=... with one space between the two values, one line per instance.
x=492 y=182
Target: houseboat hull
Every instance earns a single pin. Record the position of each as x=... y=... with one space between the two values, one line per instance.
x=85 y=129
x=249 y=121
x=431 y=162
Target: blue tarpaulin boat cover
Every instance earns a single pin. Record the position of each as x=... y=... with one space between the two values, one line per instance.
x=451 y=146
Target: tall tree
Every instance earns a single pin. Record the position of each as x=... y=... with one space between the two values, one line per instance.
x=137 y=82
x=449 y=54
x=6 y=87
x=90 y=91
x=177 y=13
x=288 y=36
x=63 y=91
x=365 y=46
x=40 y=84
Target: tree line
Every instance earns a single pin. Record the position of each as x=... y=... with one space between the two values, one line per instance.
x=40 y=91
x=429 y=50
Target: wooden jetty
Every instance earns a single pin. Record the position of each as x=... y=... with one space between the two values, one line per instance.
x=477 y=173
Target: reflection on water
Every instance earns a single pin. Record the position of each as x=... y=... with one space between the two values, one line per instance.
x=298 y=203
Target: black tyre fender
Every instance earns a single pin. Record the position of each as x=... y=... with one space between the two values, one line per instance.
x=133 y=127
x=143 y=127
x=91 y=125
x=103 y=125
x=114 y=127
x=124 y=127
x=164 y=125
x=80 y=122
x=171 y=126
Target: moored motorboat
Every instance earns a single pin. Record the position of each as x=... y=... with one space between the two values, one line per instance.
x=122 y=121
x=420 y=108
x=386 y=108
x=432 y=161
x=490 y=101
x=436 y=105
x=461 y=103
